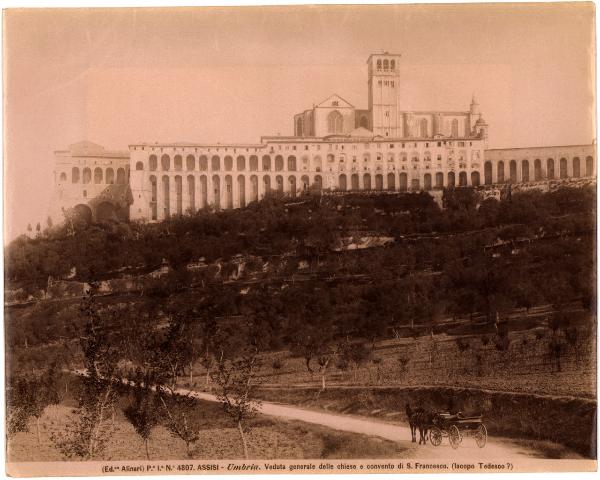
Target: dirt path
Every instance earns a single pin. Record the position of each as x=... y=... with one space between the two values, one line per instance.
x=496 y=449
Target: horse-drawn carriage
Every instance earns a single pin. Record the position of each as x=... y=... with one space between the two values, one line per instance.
x=455 y=427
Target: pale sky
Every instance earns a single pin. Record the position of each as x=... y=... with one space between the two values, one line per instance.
x=117 y=77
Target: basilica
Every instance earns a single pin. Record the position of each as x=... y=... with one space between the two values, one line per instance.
x=336 y=147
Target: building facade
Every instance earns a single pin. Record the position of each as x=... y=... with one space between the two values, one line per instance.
x=335 y=147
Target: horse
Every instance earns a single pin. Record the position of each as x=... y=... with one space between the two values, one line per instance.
x=413 y=420
x=424 y=421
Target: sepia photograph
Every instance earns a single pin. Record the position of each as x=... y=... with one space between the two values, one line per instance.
x=300 y=239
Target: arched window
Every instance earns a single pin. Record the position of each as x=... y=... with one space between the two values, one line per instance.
x=63 y=177
x=317 y=164
x=455 y=128
x=589 y=166
x=110 y=174
x=550 y=168
x=391 y=182
x=241 y=163
x=500 y=172
x=439 y=180
x=403 y=182
x=512 y=172
x=121 y=180
x=335 y=122
x=462 y=179
x=364 y=122
x=525 y=171
x=191 y=189
x=475 y=179
x=563 y=168
x=487 y=173
x=253 y=163
x=74 y=175
x=423 y=128
x=451 y=180
x=379 y=64
x=291 y=163
x=299 y=129
x=178 y=162
x=87 y=175
x=393 y=64
x=241 y=186
x=138 y=166
x=576 y=168
x=228 y=161
x=537 y=169
x=190 y=165
x=266 y=163
x=278 y=163
x=153 y=190
x=152 y=163
x=165 y=162
x=378 y=182
x=367 y=181
x=427 y=182
x=203 y=163
x=386 y=64
x=215 y=163
x=343 y=186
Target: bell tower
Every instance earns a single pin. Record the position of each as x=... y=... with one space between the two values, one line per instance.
x=384 y=94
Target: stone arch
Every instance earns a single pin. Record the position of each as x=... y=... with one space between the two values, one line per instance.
x=216 y=184
x=291 y=163
x=589 y=166
x=487 y=173
x=379 y=182
x=367 y=181
x=98 y=175
x=266 y=163
x=318 y=183
x=391 y=182
x=266 y=183
x=427 y=182
x=87 y=175
x=191 y=190
x=342 y=183
x=254 y=188
x=279 y=183
x=153 y=197
x=335 y=122
x=462 y=179
x=82 y=213
x=75 y=175
x=576 y=168
x=537 y=169
x=292 y=182
x=403 y=182
x=525 y=170
x=153 y=163
x=110 y=175
x=228 y=163
x=229 y=190
x=475 y=180
x=215 y=163
x=363 y=122
x=415 y=185
x=190 y=163
x=451 y=180
x=178 y=194
x=550 y=168
x=165 y=162
x=203 y=191
x=203 y=163
x=500 y=172
x=106 y=212
x=563 y=168
x=177 y=163
x=253 y=163
x=439 y=180
x=121 y=180
x=512 y=171
x=305 y=183
x=278 y=163
x=241 y=188
x=166 y=196
x=240 y=163
x=354 y=183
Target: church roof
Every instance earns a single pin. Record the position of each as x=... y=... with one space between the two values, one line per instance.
x=361 y=132
x=335 y=101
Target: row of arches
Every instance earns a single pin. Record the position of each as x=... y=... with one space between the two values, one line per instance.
x=179 y=195
x=429 y=181
x=278 y=163
x=99 y=176
x=549 y=169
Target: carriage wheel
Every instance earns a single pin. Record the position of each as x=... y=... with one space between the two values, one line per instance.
x=435 y=436
x=481 y=436
x=454 y=436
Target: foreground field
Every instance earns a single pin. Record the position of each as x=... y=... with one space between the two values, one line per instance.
x=269 y=438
